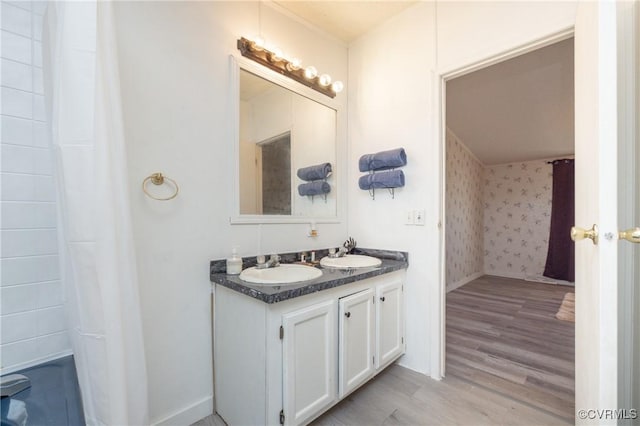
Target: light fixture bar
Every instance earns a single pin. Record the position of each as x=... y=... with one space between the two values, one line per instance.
x=282 y=66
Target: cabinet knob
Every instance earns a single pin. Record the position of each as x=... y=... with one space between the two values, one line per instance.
x=347 y=314
x=382 y=299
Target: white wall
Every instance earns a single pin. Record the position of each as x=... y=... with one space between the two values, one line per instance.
x=394 y=101
x=33 y=323
x=174 y=70
x=470 y=31
x=391 y=104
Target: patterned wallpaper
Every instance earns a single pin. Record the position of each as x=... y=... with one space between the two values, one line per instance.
x=517 y=211
x=464 y=210
x=497 y=217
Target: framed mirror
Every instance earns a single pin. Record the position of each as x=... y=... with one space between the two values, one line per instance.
x=280 y=131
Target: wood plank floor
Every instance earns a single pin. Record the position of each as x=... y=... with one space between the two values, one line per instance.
x=399 y=396
x=509 y=362
x=502 y=334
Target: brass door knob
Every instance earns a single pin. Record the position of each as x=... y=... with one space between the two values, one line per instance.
x=578 y=234
x=632 y=235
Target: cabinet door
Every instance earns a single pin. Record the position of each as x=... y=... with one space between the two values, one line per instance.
x=309 y=361
x=356 y=340
x=389 y=322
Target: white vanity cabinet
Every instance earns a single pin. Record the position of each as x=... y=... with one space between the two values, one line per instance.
x=288 y=362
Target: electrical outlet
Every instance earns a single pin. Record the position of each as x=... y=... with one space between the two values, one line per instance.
x=410 y=218
x=418 y=217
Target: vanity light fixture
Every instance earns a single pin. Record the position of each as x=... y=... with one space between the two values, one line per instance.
x=292 y=68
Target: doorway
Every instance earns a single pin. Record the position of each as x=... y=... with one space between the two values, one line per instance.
x=273 y=164
x=505 y=122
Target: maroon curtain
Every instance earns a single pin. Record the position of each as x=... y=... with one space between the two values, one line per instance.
x=560 y=257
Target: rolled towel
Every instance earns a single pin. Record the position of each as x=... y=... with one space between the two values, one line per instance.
x=383 y=160
x=318 y=187
x=317 y=172
x=389 y=179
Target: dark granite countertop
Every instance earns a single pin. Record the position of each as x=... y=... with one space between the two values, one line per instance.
x=331 y=277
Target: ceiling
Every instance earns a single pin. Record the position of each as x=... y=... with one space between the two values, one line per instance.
x=517 y=110
x=345 y=20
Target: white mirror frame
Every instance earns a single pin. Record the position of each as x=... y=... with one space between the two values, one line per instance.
x=339 y=169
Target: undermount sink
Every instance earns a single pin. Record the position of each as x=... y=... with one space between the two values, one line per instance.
x=350 y=261
x=283 y=274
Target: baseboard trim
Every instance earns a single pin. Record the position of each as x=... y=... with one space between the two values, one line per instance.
x=464 y=281
x=503 y=274
x=35 y=362
x=189 y=414
x=546 y=280
x=531 y=278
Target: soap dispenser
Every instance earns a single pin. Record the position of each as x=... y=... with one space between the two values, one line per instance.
x=234 y=263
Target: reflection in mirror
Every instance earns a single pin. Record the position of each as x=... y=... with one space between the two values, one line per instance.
x=281 y=132
x=274 y=167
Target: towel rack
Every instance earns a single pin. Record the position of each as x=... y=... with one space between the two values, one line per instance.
x=158 y=179
x=387 y=179
x=372 y=193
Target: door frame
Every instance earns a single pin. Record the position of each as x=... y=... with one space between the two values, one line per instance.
x=628 y=61
x=443 y=76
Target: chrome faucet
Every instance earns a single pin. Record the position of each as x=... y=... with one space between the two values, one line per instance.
x=273 y=262
x=340 y=253
x=347 y=247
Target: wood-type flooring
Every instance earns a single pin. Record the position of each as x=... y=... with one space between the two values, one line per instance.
x=502 y=334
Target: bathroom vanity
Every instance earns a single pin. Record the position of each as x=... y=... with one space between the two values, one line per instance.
x=284 y=354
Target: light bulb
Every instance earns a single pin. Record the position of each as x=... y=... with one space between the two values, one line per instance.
x=337 y=86
x=325 y=80
x=310 y=72
x=295 y=64
x=258 y=43
x=276 y=54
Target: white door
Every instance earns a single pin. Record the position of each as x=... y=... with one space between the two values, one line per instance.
x=389 y=322
x=309 y=361
x=601 y=114
x=356 y=341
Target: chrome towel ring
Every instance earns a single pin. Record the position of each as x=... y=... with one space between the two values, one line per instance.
x=158 y=179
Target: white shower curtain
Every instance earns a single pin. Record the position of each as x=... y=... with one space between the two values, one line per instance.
x=97 y=250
